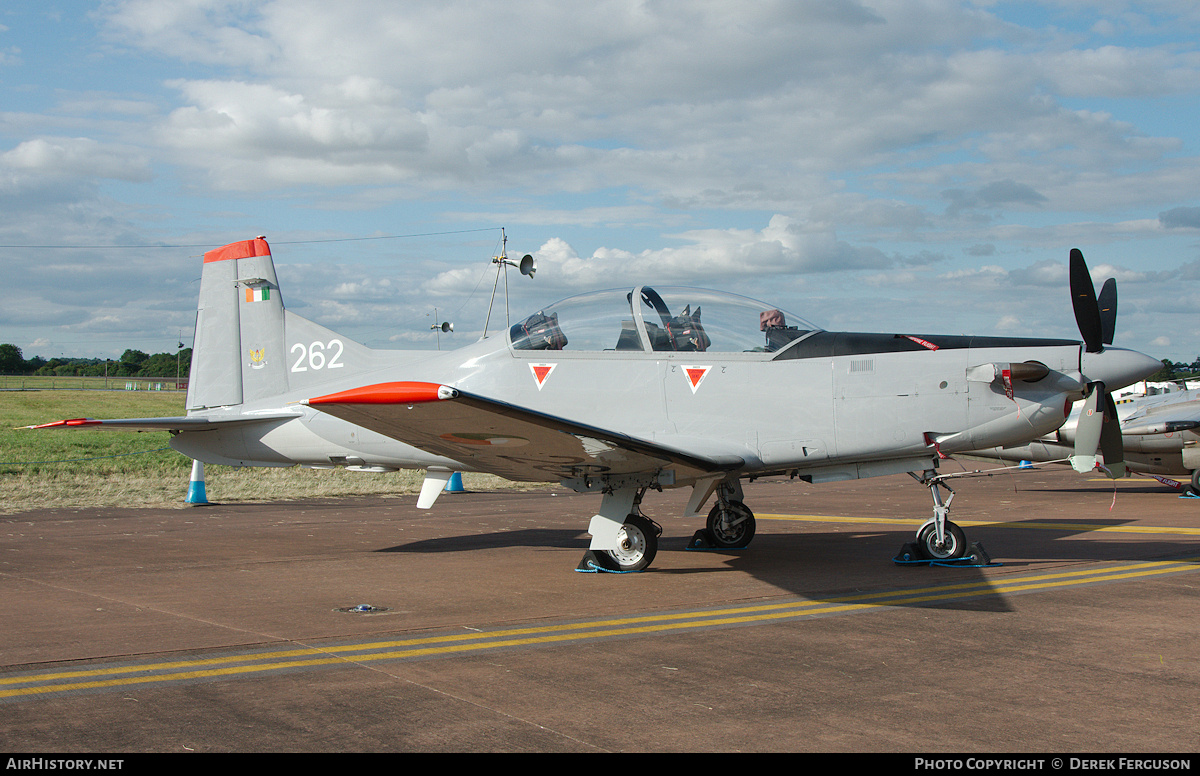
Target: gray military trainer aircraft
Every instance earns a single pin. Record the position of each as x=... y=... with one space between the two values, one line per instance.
x=1160 y=435
x=622 y=391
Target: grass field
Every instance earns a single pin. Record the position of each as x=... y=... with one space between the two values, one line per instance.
x=63 y=468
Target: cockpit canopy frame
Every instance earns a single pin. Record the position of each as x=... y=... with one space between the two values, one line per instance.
x=660 y=320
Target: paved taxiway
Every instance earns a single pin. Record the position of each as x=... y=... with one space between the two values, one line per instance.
x=224 y=628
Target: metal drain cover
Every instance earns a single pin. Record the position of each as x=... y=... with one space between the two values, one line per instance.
x=362 y=609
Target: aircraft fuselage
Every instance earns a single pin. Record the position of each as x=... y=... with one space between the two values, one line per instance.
x=824 y=417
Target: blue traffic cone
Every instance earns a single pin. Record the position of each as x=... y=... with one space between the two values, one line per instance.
x=454 y=484
x=196 y=493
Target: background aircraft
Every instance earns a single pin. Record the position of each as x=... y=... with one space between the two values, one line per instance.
x=628 y=390
x=1160 y=435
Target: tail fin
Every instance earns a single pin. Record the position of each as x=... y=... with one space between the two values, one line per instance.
x=248 y=347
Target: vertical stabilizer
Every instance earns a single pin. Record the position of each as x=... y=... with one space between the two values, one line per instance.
x=239 y=351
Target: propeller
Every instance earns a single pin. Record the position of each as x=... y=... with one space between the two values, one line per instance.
x=1083 y=299
x=1099 y=429
x=1108 y=310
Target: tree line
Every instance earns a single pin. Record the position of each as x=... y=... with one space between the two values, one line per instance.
x=1176 y=370
x=132 y=363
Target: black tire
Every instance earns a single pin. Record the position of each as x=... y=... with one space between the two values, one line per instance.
x=1196 y=482
x=731 y=527
x=637 y=545
x=954 y=547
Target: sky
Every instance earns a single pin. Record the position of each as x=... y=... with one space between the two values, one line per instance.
x=910 y=166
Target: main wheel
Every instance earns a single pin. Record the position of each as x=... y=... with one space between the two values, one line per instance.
x=1196 y=482
x=637 y=544
x=954 y=546
x=731 y=525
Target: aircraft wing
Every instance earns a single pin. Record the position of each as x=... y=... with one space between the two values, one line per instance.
x=1163 y=418
x=511 y=441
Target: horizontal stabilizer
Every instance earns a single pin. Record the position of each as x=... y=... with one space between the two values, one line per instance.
x=163 y=424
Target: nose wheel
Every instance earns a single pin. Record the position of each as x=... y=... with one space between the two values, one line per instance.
x=950 y=546
x=940 y=539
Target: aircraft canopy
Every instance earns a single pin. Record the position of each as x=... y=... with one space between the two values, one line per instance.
x=662 y=319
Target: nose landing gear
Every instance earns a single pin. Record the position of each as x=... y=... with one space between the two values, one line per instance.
x=938 y=539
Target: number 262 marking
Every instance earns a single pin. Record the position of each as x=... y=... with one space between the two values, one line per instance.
x=313 y=356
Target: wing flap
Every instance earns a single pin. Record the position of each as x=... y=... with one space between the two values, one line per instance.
x=514 y=442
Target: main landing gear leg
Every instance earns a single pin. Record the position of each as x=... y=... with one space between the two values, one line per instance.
x=730 y=525
x=938 y=538
x=623 y=539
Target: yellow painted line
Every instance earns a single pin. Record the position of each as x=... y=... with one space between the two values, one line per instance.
x=1136 y=529
x=843 y=519
x=452 y=644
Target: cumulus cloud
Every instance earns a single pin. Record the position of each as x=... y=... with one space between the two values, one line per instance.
x=782 y=248
x=943 y=144
x=1180 y=218
x=77 y=156
x=1042 y=273
x=700 y=105
x=205 y=31
x=992 y=195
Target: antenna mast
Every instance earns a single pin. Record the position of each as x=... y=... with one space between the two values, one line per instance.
x=527 y=266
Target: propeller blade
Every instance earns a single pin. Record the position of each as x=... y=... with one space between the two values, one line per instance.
x=1112 y=445
x=1099 y=431
x=1108 y=310
x=1083 y=299
x=1088 y=430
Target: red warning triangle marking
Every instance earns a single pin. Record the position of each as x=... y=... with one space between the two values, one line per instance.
x=695 y=375
x=541 y=372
